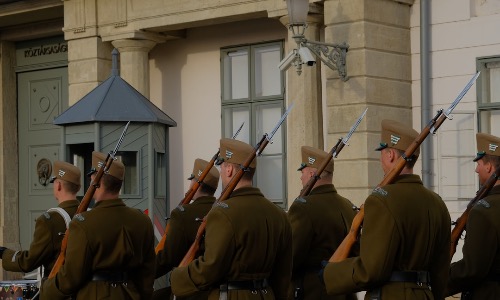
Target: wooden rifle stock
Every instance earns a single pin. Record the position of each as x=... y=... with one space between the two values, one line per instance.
x=345 y=247
x=190 y=255
x=460 y=223
x=83 y=206
x=192 y=190
x=261 y=145
x=312 y=181
x=188 y=197
x=334 y=152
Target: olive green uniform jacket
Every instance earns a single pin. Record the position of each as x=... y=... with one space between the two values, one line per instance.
x=247 y=238
x=320 y=221
x=406 y=228
x=478 y=272
x=110 y=237
x=183 y=225
x=46 y=245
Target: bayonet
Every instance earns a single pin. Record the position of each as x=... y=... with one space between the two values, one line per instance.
x=349 y=134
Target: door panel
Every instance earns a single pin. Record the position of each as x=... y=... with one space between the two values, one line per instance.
x=42 y=97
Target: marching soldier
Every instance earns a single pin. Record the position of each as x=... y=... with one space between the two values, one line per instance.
x=320 y=221
x=50 y=226
x=183 y=226
x=248 y=250
x=405 y=242
x=477 y=274
x=110 y=250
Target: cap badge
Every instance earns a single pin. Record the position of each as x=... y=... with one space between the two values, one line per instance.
x=61 y=173
x=229 y=154
x=493 y=147
x=311 y=160
x=100 y=164
x=394 y=139
x=199 y=172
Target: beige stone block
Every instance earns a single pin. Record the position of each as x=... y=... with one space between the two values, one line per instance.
x=89 y=48
x=357 y=195
x=78 y=91
x=373 y=118
x=365 y=34
x=368 y=89
x=380 y=11
x=357 y=174
x=89 y=71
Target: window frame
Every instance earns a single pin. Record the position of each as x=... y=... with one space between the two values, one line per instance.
x=253 y=102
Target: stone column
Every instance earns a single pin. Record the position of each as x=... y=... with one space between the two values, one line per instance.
x=9 y=229
x=305 y=122
x=89 y=64
x=379 y=67
x=134 y=62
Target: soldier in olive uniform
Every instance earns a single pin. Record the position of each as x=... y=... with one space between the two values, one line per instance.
x=183 y=226
x=320 y=221
x=248 y=251
x=49 y=227
x=405 y=242
x=477 y=274
x=110 y=253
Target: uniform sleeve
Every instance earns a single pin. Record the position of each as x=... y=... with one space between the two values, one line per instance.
x=175 y=245
x=281 y=276
x=379 y=244
x=301 y=226
x=479 y=250
x=210 y=268
x=76 y=269
x=41 y=250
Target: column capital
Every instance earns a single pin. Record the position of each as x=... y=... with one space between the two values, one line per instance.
x=133 y=45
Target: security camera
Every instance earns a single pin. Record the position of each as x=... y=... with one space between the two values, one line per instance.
x=287 y=62
x=306 y=56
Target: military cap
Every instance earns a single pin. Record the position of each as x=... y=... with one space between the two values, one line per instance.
x=487 y=144
x=116 y=170
x=66 y=171
x=236 y=152
x=212 y=178
x=312 y=157
x=397 y=135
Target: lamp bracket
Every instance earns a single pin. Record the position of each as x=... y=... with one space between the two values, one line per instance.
x=332 y=55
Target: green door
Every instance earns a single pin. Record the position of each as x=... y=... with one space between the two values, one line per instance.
x=42 y=96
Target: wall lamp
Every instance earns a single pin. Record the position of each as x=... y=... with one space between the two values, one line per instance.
x=332 y=55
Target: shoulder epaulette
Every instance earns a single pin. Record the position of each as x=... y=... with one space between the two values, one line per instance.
x=380 y=191
x=300 y=200
x=484 y=203
x=46 y=215
x=79 y=217
x=180 y=208
x=222 y=204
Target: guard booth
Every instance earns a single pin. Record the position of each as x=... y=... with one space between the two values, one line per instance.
x=96 y=122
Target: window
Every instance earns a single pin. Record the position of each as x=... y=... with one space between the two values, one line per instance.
x=253 y=92
x=488 y=103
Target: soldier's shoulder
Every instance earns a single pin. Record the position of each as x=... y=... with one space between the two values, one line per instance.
x=381 y=192
x=300 y=200
x=482 y=204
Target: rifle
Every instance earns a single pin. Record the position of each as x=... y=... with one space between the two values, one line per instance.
x=261 y=145
x=334 y=152
x=84 y=204
x=192 y=190
x=460 y=223
x=344 y=248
